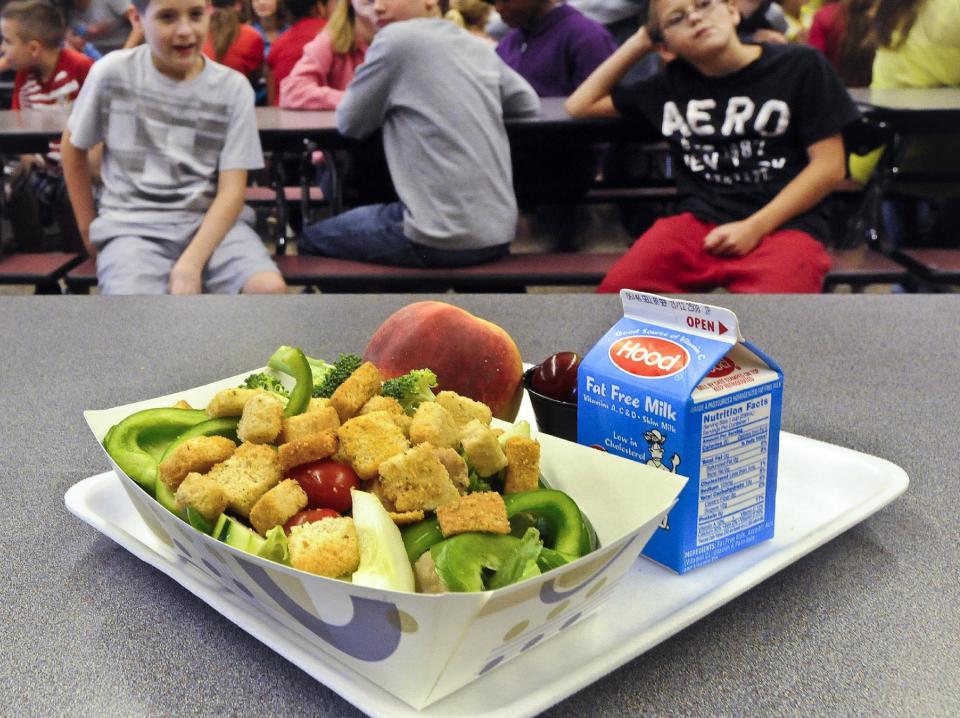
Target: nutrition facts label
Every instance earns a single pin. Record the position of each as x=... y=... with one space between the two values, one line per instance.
x=733 y=468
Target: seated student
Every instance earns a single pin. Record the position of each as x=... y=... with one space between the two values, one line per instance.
x=841 y=31
x=287 y=49
x=102 y=22
x=233 y=43
x=553 y=46
x=472 y=16
x=320 y=77
x=918 y=45
x=269 y=18
x=754 y=152
x=762 y=21
x=48 y=77
x=180 y=134
x=440 y=95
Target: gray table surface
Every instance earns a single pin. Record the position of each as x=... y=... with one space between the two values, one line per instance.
x=866 y=625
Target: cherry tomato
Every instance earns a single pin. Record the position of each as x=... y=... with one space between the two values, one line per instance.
x=308 y=517
x=556 y=376
x=327 y=484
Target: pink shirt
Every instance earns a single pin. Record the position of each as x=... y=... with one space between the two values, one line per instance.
x=319 y=78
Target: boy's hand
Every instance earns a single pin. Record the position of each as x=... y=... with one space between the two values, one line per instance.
x=185 y=279
x=735 y=239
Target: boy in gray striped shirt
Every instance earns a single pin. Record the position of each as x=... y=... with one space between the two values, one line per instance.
x=179 y=135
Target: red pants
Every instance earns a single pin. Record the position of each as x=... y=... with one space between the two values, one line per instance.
x=670 y=258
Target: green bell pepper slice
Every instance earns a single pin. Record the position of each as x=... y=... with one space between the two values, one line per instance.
x=555 y=511
x=294 y=362
x=463 y=561
x=137 y=442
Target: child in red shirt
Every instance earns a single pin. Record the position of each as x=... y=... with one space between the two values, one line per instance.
x=233 y=43
x=48 y=78
x=287 y=49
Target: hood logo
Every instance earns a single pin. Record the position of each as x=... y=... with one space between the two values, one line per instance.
x=649 y=357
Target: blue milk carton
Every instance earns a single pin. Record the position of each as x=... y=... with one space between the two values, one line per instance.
x=674 y=385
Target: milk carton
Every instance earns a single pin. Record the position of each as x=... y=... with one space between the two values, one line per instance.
x=675 y=386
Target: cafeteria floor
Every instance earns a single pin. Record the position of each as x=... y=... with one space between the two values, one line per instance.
x=595 y=228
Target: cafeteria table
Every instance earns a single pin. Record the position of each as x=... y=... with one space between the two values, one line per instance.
x=867 y=624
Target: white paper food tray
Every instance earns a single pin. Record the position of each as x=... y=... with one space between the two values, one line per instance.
x=451 y=639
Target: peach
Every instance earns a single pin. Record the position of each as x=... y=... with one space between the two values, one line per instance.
x=469 y=355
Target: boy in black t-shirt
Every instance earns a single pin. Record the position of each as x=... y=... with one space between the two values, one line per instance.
x=755 y=135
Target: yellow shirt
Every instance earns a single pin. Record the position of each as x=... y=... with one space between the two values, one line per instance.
x=930 y=57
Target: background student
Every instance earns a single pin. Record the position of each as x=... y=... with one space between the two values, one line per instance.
x=552 y=45
x=754 y=150
x=48 y=77
x=307 y=19
x=180 y=135
x=329 y=61
x=440 y=95
x=102 y=22
x=232 y=42
x=841 y=30
x=918 y=45
x=269 y=18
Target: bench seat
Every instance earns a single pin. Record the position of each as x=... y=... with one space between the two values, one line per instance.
x=511 y=273
x=936 y=266
x=43 y=270
x=82 y=278
x=862 y=267
x=859 y=268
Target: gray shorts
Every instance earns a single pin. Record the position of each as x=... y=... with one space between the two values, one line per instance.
x=130 y=264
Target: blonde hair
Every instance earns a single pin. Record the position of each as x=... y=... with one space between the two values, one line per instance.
x=340 y=27
x=469 y=14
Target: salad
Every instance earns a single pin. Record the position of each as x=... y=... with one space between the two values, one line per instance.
x=332 y=469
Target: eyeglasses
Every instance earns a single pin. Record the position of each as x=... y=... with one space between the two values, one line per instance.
x=675 y=19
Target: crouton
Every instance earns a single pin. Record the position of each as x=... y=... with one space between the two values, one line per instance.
x=523 y=465
x=202 y=493
x=482 y=449
x=434 y=425
x=392 y=407
x=357 y=390
x=197 y=454
x=328 y=547
x=230 y=402
x=416 y=479
x=368 y=440
x=312 y=447
x=463 y=409
x=247 y=475
x=316 y=404
x=313 y=422
x=483 y=511
x=403 y=423
x=261 y=420
x=182 y=404
x=456 y=468
x=381 y=403
x=278 y=505
x=405 y=518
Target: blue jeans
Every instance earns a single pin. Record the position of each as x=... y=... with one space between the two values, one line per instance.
x=375 y=234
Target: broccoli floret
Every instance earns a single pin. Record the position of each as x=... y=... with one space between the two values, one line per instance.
x=262 y=380
x=318 y=367
x=341 y=369
x=411 y=388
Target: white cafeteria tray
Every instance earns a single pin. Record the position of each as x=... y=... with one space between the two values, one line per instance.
x=822 y=491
